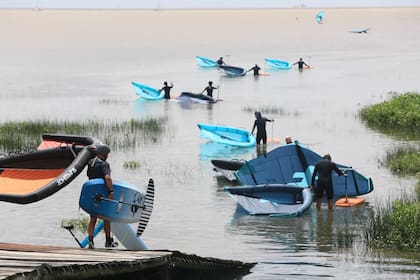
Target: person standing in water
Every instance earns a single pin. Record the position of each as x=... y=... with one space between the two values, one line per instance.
x=256 y=70
x=209 y=89
x=324 y=169
x=220 y=61
x=300 y=64
x=167 y=90
x=260 y=124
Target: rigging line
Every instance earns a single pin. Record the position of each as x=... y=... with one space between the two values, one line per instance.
x=99 y=197
x=72 y=150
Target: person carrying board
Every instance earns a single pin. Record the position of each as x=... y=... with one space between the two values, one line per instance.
x=98 y=167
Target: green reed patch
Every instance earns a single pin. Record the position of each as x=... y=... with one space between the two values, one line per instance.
x=79 y=224
x=395 y=226
x=269 y=110
x=119 y=134
x=132 y=164
x=403 y=160
x=401 y=112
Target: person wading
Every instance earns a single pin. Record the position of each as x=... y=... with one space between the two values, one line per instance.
x=324 y=169
x=260 y=124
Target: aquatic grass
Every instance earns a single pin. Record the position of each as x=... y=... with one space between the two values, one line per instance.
x=111 y=101
x=132 y=164
x=269 y=110
x=403 y=160
x=25 y=135
x=401 y=112
x=395 y=226
x=79 y=224
x=417 y=187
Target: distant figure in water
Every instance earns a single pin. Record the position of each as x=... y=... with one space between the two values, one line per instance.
x=288 y=139
x=167 y=90
x=256 y=70
x=209 y=89
x=260 y=124
x=220 y=61
x=300 y=64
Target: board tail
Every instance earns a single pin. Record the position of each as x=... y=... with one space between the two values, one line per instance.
x=148 y=207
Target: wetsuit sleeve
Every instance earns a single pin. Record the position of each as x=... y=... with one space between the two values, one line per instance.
x=253 y=128
x=314 y=175
x=338 y=170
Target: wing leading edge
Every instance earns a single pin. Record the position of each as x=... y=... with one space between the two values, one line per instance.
x=32 y=176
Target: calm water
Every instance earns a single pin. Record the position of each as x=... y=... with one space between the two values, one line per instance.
x=77 y=65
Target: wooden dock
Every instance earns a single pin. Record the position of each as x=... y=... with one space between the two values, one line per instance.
x=35 y=262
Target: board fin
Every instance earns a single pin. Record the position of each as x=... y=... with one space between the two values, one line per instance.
x=148 y=207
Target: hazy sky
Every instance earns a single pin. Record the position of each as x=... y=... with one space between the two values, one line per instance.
x=186 y=4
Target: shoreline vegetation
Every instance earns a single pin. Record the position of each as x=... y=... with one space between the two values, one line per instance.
x=397 y=224
x=25 y=135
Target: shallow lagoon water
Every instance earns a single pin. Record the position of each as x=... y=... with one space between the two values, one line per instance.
x=78 y=65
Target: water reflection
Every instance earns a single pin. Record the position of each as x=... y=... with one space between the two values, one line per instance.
x=324 y=230
x=145 y=107
x=210 y=150
x=261 y=150
x=319 y=231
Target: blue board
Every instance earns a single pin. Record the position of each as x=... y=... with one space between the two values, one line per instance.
x=294 y=164
x=147 y=92
x=126 y=207
x=320 y=16
x=195 y=97
x=206 y=62
x=278 y=64
x=227 y=135
x=233 y=71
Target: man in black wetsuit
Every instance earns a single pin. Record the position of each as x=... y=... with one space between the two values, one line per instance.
x=209 y=89
x=260 y=124
x=300 y=64
x=167 y=90
x=256 y=70
x=98 y=167
x=324 y=168
x=220 y=61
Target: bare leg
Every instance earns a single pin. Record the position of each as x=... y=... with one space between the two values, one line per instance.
x=318 y=203
x=91 y=226
x=330 y=204
x=107 y=229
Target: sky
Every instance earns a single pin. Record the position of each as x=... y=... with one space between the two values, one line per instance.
x=201 y=4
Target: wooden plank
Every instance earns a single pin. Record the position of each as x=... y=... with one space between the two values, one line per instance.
x=18 y=261
x=23 y=259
